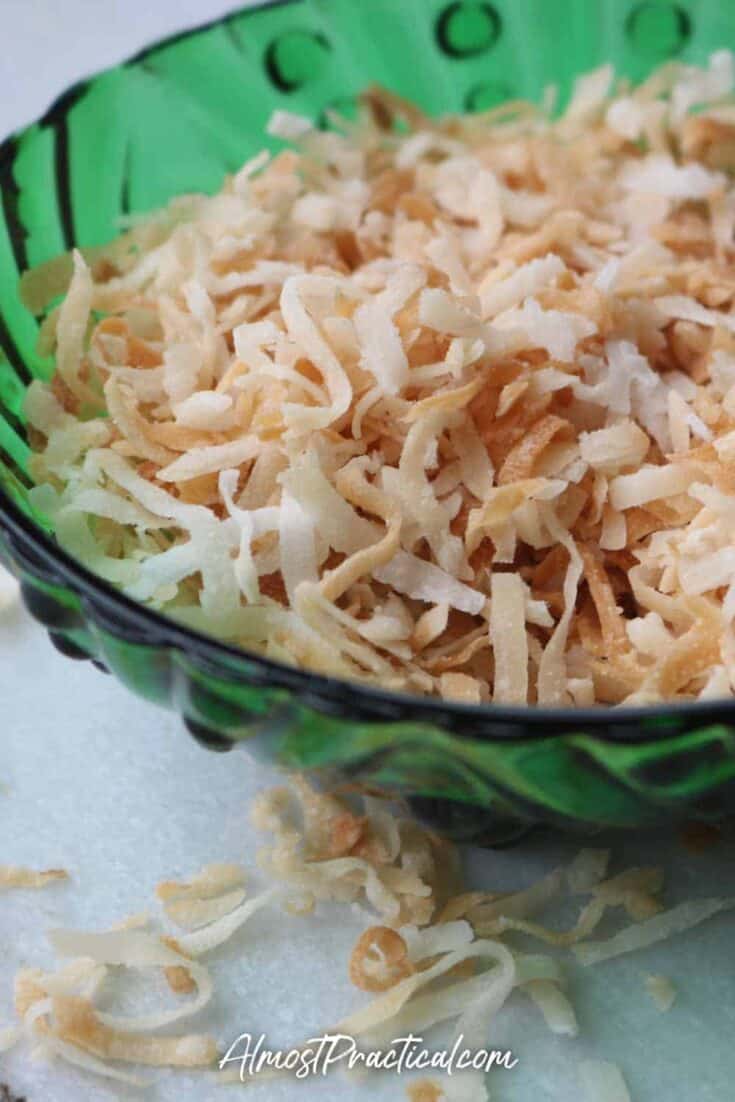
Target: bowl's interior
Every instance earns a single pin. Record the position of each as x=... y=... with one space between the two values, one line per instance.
x=186 y=112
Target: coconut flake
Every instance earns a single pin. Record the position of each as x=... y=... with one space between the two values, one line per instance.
x=603 y=1082
x=425 y=582
x=220 y=931
x=663 y=926
x=9 y=590
x=556 y=331
x=383 y=354
x=72 y=325
x=552 y=672
x=703 y=86
x=589 y=94
x=688 y=309
x=508 y=638
x=288 y=126
x=140 y=950
x=499 y=296
x=658 y=174
x=210 y=459
x=649 y=484
x=662 y=992
x=14 y=876
x=181 y=367
x=304 y=331
x=613 y=449
x=555 y=1006
x=206 y=410
x=626 y=117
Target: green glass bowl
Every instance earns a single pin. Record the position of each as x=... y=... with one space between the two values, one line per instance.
x=178 y=118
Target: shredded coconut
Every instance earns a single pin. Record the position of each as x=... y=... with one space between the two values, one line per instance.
x=442 y=410
x=433 y=954
x=9 y=589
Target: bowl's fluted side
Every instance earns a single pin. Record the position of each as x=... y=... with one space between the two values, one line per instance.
x=471 y=777
x=177 y=119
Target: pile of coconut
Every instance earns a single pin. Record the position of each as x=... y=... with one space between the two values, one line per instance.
x=443 y=405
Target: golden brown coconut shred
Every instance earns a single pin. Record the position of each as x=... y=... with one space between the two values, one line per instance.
x=433 y=952
x=14 y=877
x=388 y=368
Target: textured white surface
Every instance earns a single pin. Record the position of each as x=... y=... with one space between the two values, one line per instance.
x=115 y=791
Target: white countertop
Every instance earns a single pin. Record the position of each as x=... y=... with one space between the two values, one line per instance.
x=114 y=790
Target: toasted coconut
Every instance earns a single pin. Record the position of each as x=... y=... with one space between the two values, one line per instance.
x=649 y=484
x=220 y=930
x=211 y=881
x=209 y=459
x=180 y=979
x=425 y=1090
x=613 y=449
x=611 y=620
x=587 y=869
x=76 y=1023
x=379 y=960
x=399 y=870
x=446 y=401
x=501 y=505
x=508 y=637
x=522 y=459
x=662 y=992
x=71 y=330
x=430 y=625
x=387 y=357
x=440 y=958
x=388 y=1005
x=484 y=913
x=79 y=1058
x=603 y=1082
x=555 y=1006
x=192 y=913
x=459 y=686
x=664 y=925
x=136 y=949
x=9 y=590
x=123 y=409
x=12 y=876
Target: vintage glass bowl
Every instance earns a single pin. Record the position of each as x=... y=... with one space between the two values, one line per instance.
x=176 y=119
